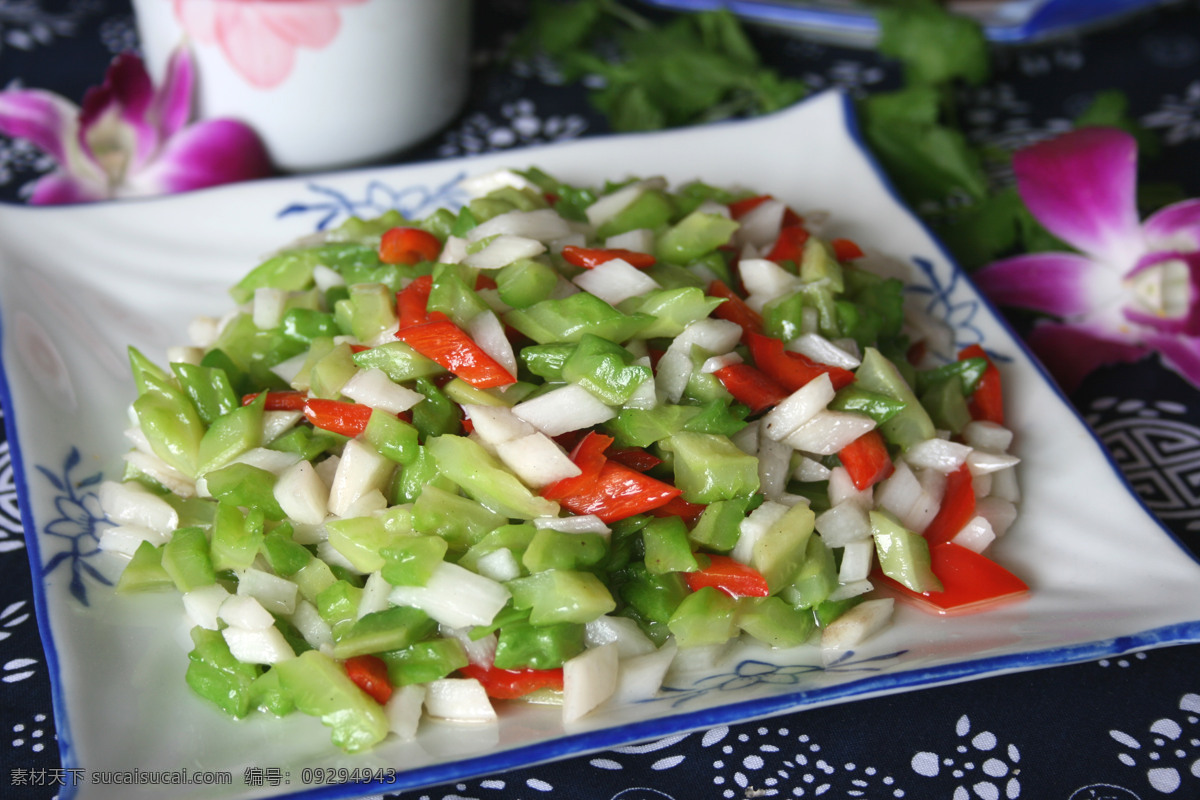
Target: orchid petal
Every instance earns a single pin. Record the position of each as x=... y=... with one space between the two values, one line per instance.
x=1063 y=284
x=1069 y=352
x=1081 y=187
x=113 y=121
x=1165 y=289
x=1180 y=353
x=1175 y=226
x=205 y=154
x=173 y=103
x=61 y=188
x=47 y=120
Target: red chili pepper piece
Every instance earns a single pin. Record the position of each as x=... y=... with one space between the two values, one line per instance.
x=485 y=281
x=867 y=460
x=509 y=684
x=987 y=402
x=678 y=507
x=635 y=458
x=370 y=674
x=734 y=309
x=620 y=492
x=845 y=249
x=751 y=386
x=280 y=401
x=348 y=419
x=971 y=582
x=589 y=257
x=958 y=506
x=791 y=370
x=588 y=455
x=790 y=244
x=408 y=246
x=412 y=303
x=731 y=577
x=451 y=347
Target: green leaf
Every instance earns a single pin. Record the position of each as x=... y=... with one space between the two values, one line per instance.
x=934 y=45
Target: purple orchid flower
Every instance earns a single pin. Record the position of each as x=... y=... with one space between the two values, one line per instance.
x=128 y=139
x=1132 y=289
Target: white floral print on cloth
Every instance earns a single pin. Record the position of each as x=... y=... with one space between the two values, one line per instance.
x=1168 y=750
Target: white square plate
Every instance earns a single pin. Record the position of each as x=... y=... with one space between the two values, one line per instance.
x=78 y=285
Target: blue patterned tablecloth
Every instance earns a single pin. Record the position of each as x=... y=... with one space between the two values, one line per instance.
x=1117 y=729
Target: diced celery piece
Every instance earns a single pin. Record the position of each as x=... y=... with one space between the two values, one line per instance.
x=360 y=541
x=672 y=309
x=237 y=536
x=436 y=414
x=717 y=528
x=230 y=435
x=654 y=597
x=171 y=424
x=705 y=617
x=903 y=555
x=709 y=467
x=422 y=662
x=267 y=694
x=338 y=605
x=247 y=486
x=605 y=369
x=818 y=264
x=515 y=538
x=215 y=675
x=642 y=427
x=144 y=572
x=912 y=424
x=525 y=282
x=482 y=477
x=285 y=556
x=459 y=520
x=551 y=549
x=568 y=318
x=321 y=688
x=693 y=236
x=816 y=578
x=392 y=437
x=781 y=551
x=410 y=560
x=208 y=388
x=652 y=208
x=313 y=578
x=522 y=644
x=185 y=558
x=559 y=595
x=774 y=622
x=380 y=631
x=330 y=373
x=369 y=310
x=398 y=361
x=667 y=547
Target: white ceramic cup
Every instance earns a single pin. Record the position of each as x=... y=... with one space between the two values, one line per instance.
x=326 y=83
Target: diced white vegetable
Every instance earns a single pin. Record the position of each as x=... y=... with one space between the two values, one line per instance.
x=154 y=467
x=289 y=371
x=537 y=460
x=925 y=327
x=302 y=494
x=481 y=651
x=303 y=533
x=403 y=710
x=581 y=523
x=984 y=435
x=798 y=407
x=613 y=203
x=760 y=225
x=131 y=503
x=754 y=527
x=370 y=503
x=641 y=677
x=487 y=331
x=244 y=611
x=496 y=424
x=562 y=410
x=981 y=485
x=374 y=595
x=269 y=305
x=185 y=355
x=458 y=699
x=933 y=483
x=615 y=280
x=273 y=461
x=454 y=251
x=855 y=626
x=372 y=387
x=829 y=431
x=976 y=535
x=454 y=596
x=820 y=349
x=852 y=589
x=808 y=470
x=843 y=490
x=543 y=224
x=485 y=183
x=126 y=539
x=621 y=631
x=504 y=250
x=645 y=396
x=981 y=462
x=940 y=454
x=857 y=557
x=203 y=605
x=639 y=240
x=843 y=523
x=334 y=558
x=274 y=593
x=747 y=439
x=715 y=363
x=899 y=491
x=361 y=470
x=573 y=239
x=307 y=620
x=765 y=281
x=257 y=646
x=774 y=467
x=277 y=423
x=326 y=278
x=675 y=366
x=999 y=513
x=499 y=565
x=1005 y=486
x=588 y=680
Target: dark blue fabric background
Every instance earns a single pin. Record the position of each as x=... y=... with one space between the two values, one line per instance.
x=1118 y=729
